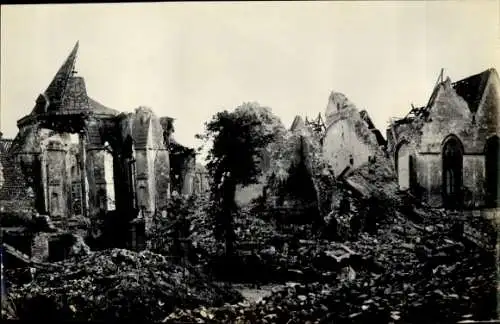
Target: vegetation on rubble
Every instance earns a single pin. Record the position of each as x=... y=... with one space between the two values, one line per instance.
x=237 y=140
x=299 y=151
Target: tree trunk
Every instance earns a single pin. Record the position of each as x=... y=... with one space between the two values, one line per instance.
x=228 y=207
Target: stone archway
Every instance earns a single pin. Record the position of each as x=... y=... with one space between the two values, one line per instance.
x=452 y=172
x=492 y=168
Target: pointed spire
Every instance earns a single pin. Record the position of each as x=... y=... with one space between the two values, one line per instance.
x=56 y=88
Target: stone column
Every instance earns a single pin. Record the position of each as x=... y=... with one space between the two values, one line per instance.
x=44 y=183
x=83 y=173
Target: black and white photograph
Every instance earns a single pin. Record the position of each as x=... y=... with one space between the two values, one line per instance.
x=270 y=162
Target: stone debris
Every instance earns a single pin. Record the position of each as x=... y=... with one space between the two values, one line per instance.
x=111 y=283
x=400 y=275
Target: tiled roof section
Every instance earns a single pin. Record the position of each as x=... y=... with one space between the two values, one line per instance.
x=99 y=108
x=472 y=89
x=67 y=93
x=60 y=81
x=75 y=96
x=94 y=134
x=14 y=184
x=5 y=145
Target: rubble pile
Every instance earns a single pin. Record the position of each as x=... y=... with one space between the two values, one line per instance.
x=114 y=284
x=407 y=273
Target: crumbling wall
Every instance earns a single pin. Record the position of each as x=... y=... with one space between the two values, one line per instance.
x=474 y=180
x=293 y=150
x=152 y=161
x=488 y=114
x=348 y=140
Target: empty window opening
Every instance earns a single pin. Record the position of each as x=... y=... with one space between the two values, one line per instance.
x=452 y=173
x=403 y=166
x=76 y=198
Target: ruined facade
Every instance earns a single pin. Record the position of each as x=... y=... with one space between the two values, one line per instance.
x=83 y=160
x=447 y=151
x=350 y=137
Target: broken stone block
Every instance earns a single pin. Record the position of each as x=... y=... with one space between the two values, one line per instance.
x=40 y=247
x=79 y=247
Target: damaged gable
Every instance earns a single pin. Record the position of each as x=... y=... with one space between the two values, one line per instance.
x=350 y=137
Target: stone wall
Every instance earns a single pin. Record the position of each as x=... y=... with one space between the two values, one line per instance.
x=449 y=115
x=152 y=162
x=343 y=145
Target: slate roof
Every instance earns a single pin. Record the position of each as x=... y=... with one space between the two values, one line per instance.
x=67 y=93
x=472 y=88
x=99 y=108
x=14 y=185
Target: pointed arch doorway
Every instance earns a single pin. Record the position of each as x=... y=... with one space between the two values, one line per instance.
x=452 y=173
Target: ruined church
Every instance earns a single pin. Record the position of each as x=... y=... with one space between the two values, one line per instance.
x=84 y=161
x=447 y=152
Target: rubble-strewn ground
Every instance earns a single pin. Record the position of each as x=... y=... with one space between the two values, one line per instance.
x=415 y=268
x=406 y=273
x=115 y=284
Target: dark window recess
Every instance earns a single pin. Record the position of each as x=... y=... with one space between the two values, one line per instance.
x=76 y=198
x=452 y=173
x=492 y=155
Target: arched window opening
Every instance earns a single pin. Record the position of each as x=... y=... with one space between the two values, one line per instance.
x=403 y=166
x=109 y=179
x=452 y=173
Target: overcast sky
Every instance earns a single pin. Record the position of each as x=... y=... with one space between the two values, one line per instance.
x=190 y=60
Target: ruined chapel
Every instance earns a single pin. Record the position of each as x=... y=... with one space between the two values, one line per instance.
x=85 y=161
x=447 y=152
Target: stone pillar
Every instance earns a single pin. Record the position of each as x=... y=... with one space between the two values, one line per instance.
x=83 y=173
x=44 y=186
